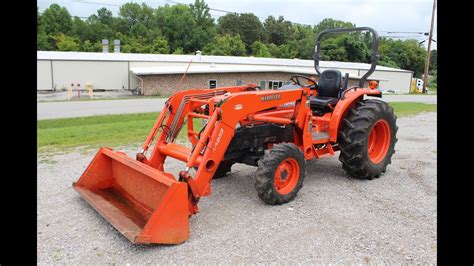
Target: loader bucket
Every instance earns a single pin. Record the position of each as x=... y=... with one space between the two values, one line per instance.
x=144 y=204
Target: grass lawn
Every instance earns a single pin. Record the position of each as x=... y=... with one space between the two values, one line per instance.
x=409 y=108
x=118 y=130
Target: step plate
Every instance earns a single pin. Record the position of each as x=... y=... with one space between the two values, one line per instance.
x=320 y=135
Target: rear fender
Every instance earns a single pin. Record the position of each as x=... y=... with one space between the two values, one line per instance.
x=344 y=105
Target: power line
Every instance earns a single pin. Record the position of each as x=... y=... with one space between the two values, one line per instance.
x=406 y=32
x=401 y=36
x=94 y=3
x=41 y=13
x=262 y=19
x=233 y=12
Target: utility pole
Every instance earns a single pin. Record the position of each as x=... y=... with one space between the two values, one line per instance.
x=427 y=63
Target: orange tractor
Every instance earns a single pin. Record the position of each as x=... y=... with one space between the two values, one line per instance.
x=275 y=130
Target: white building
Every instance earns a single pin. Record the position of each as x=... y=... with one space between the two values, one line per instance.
x=160 y=73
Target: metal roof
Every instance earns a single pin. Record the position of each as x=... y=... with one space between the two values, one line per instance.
x=221 y=68
x=274 y=62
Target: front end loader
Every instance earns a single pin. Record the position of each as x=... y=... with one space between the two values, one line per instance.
x=274 y=130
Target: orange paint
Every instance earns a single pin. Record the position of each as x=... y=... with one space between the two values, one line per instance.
x=148 y=205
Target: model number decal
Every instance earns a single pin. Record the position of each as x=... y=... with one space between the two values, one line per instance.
x=219 y=136
x=271 y=97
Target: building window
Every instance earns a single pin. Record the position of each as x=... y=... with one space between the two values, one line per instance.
x=274 y=84
x=263 y=84
x=212 y=84
x=238 y=82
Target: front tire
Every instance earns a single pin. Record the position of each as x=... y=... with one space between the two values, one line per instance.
x=367 y=139
x=280 y=174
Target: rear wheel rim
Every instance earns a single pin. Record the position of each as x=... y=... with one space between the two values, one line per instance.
x=286 y=176
x=379 y=141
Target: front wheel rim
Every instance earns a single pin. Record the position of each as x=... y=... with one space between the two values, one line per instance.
x=286 y=176
x=379 y=141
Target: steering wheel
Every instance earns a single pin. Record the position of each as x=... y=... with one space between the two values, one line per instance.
x=296 y=79
x=256 y=88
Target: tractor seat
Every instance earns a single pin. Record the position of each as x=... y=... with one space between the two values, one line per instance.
x=323 y=101
x=329 y=89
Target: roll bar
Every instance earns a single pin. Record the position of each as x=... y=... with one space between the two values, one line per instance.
x=373 y=58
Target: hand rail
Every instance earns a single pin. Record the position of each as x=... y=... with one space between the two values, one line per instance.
x=373 y=58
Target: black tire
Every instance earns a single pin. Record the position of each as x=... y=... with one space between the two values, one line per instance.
x=267 y=166
x=354 y=139
x=222 y=170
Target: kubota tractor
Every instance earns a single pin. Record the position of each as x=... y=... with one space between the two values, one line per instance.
x=275 y=130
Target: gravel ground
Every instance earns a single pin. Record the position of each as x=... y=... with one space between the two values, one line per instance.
x=334 y=219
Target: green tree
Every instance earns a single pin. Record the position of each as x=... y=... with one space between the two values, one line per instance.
x=88 y=46
x=386 y=61
x=251 y=29
x=205 y=29
x=41 y=36
x=433 y=60
x=274 y=50
x=259 y=49
x=38 y=16
x=407 y=54
x=247 y=25
x=67 y=43
x=42 y=43
x=178 y=50
x=133 y=14
x=184 y=29
x=226 y=45
x=282 y=51
x=329 y=23
x=96 y=27
x=139 y=30
x=278 y=31
x=229 y=24
x=384 y=50
x=201 y=13
x=332 y=51
x=356 y=50
x=160 y=46
x=177 y=24
x=97 y=31
x=303 y=41
x=136 y=45
x=286 y=51
x=80 y=29
x=104 y=16
x=433 y=81
x=56 y=20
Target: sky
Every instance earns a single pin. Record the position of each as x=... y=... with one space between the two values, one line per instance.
x=383 y=15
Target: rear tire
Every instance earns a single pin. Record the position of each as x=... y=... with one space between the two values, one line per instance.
x=280 y=174
x=222 y=170
x=367 y=139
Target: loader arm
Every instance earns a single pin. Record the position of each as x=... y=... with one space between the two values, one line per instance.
x=218 y=135
x=234 y=104
x=149 y=205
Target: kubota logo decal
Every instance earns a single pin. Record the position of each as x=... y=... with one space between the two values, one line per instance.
x=219 y=136
x=271 y=97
